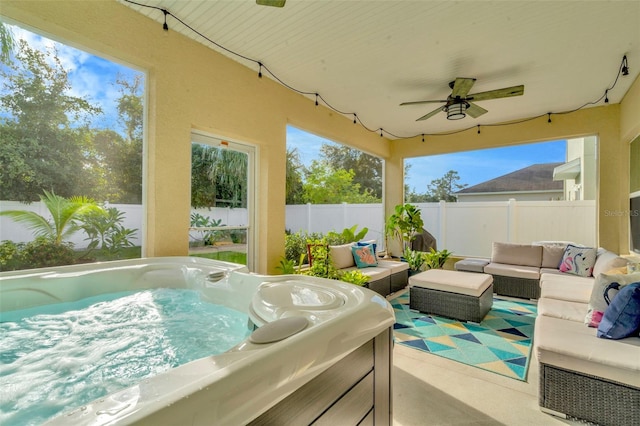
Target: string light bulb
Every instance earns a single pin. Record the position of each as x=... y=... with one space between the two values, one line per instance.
x=549 y=117
x=423 y=137
x=317 y=99
x=354 y=118
x=165 y=26
x=478 y=129
x=260 y=70
x=606 y=96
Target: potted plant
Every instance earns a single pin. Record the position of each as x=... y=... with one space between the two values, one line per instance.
x=435 y=259
x=403 y=224
x=415 y=259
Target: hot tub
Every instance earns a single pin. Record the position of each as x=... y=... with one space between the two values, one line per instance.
x=321 y=349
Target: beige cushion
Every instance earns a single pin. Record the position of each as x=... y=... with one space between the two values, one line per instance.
x=341 y=256
x=516 y=254
x=516 y=271
x=552 y=255
x=568 y=287
x=572 y=311
x=551 y=271
x=606 y=261
x=469 y=283
x=572 y=346
x=374 y=272
x=393 y=265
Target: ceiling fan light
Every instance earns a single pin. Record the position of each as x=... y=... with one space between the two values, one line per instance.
x=456 y=111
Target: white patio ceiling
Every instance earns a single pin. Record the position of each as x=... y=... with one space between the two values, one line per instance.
x=369 y=56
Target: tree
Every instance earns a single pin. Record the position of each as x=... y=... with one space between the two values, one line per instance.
x=45 y=137
x=218 y=177
x=367 y=168
x=65 y=214
x=294 y=186
x=445 y=187
x=328 y=185
x=6 y=43
x=121 y=156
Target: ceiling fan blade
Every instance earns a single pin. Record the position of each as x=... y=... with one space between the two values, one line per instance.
x=498 y=93
x=476 y=111
x=431 y=114
x=462 y=86
x=423 y=102
x=274 y=3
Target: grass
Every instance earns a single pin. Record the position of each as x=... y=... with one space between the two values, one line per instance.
x=226 y=256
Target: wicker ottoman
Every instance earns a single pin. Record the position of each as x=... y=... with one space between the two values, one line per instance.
x=465 y=296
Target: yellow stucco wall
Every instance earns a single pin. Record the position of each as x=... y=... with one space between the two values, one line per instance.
x=192 y=87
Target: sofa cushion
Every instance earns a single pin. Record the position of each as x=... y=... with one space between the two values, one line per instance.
x=563 y=309
x=597 y=303
x=568 y=287
x=622 y=317
x=375 y=272
x=572 y=346
x=516 y=254
x=393 y=265
x=607 y=260
x=364 y=256
x=578 y=260
x=341 y=256
x=552 y=255
x=516 y=271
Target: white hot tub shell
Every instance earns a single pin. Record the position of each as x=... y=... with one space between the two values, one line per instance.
x=321 y=352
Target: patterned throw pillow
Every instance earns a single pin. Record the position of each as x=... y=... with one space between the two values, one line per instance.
x=578 y=260
x=364 y=256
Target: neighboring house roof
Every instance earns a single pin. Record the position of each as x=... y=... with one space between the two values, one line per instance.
x=538 y=177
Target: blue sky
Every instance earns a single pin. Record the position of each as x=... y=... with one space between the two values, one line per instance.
x=91 y=77
x=472 y=166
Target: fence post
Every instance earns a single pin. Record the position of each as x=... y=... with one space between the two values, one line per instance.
x=442 y=225
x=309 y=218
x=344 y=215
x=511 y=221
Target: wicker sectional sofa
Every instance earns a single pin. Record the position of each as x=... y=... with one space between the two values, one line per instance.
x=385 y=278
x=581 y=375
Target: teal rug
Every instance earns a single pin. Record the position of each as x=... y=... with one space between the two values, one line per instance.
x=501 y=343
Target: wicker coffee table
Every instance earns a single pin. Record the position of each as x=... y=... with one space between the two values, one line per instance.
x=465 y=296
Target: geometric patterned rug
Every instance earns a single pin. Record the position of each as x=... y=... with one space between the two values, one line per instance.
x=501 y=343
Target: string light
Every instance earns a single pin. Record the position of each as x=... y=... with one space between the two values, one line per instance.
x=623 y=70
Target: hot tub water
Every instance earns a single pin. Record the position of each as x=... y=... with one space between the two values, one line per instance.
x=69 y=354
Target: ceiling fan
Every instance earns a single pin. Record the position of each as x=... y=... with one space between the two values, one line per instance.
x=459 y=103
x=274 y=3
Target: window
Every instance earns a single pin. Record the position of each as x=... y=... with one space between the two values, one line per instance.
x=71 y=134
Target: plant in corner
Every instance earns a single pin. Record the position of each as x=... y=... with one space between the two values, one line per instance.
x=415 y=259
x=403 y=224
x=435 y=259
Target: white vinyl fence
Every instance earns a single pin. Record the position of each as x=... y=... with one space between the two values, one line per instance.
x=466 y=229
